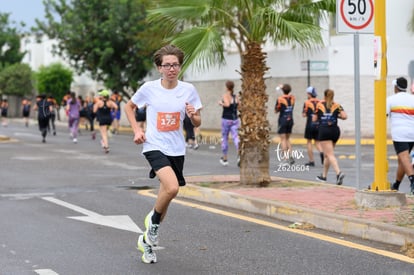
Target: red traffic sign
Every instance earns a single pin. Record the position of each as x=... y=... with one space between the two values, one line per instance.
x=354 y=16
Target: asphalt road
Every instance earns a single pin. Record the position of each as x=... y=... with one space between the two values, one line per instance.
x=71 y=209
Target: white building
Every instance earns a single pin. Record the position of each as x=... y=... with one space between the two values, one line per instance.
x=333 y=64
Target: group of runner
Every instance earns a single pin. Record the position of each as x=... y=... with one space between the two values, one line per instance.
x=105 y=108
x=321 y=126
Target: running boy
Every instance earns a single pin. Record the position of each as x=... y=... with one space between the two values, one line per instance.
x=167 y=100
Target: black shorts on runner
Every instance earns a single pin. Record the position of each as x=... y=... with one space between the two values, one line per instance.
x=105 y=121
x=43 y=123
x=401 y=146
x=158 y=160
x=285 y=128
x=311 y=132
x=329 y=133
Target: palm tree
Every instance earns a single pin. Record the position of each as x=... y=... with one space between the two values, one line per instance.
x=201 y=28
x=411 y=23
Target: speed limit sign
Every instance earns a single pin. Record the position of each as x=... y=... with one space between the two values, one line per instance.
x=354 y=16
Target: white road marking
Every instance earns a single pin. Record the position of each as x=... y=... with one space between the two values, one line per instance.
x=25 y=196
x=45 y=272
x=18 y=134
x=122 y=222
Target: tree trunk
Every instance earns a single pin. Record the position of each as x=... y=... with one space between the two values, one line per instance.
x=254 y=132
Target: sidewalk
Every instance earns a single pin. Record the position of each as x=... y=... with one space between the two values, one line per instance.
x=307 y=205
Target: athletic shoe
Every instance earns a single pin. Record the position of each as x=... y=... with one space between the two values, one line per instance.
x=238 y=161
x=148 y=256
x=321 y=178
x=395 y=186
x=339 y=178
x=75 y=140
x=310 y=163
x=224 y=162
x=195 y=147
x=151 y=230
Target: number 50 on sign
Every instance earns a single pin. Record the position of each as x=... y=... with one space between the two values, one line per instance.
x=354 y=16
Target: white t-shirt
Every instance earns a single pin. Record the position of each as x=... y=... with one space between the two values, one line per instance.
x=165 y=115
x=400 y=110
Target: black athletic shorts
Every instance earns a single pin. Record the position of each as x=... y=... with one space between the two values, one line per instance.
x=43 y=123
x=329 y=133
x=285 y=127
x=401 y=146
x=312 y=132
x=158 y=160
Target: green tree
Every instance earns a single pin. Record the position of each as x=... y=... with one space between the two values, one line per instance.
x=107 y=38
x=16 y=80
x=411 y=23
x=54 y=80
x=9 y=43
x=206 y=24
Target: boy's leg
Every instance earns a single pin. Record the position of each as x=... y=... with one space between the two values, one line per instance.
x=168 y=191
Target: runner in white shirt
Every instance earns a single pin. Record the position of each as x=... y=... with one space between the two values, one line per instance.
x=165 y=113
x=167 y=100
x=400 y=110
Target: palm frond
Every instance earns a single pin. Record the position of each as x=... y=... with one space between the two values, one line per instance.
x=203 y=47
x=286 y=26
x=174 y=16
x=199 y=26
x=179 y=11
x=311 y=11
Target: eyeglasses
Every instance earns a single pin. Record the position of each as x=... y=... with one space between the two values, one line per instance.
x=169 y=66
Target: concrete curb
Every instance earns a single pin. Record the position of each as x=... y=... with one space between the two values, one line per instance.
x=360 y=228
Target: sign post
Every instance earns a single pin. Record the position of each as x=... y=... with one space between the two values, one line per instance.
x=356 y=16
x=380 y=149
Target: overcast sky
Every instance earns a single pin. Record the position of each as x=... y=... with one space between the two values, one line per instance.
x=23 y=10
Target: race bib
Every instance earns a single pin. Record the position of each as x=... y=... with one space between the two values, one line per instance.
x=168 y=121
